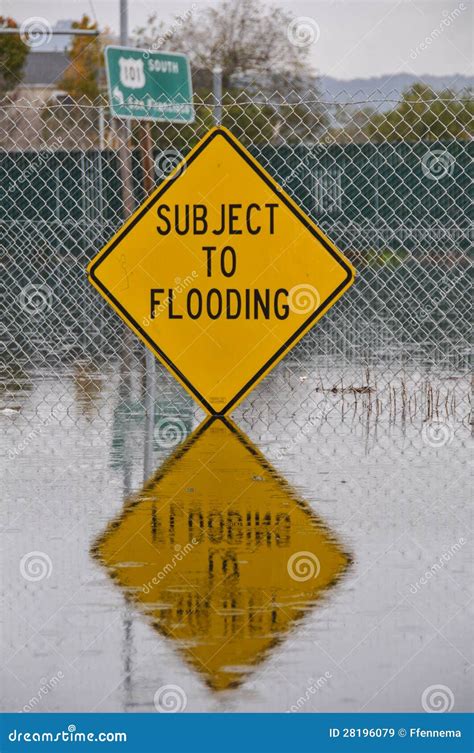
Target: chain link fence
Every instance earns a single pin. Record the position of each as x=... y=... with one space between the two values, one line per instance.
x=390 y=360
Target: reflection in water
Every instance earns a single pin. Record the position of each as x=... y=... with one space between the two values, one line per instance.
x=220 y=553
x=88 y=383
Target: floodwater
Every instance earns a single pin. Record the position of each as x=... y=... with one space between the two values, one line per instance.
x=312 y=554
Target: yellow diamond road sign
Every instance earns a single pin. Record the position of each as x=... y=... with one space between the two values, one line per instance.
x=219 y=272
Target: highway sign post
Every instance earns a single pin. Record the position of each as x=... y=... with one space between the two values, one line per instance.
x=147 y=85
x=220 y=273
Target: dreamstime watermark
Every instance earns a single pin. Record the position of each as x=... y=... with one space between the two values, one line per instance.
x=35 y=299
x=431 y=233
x=437 y=164
x=46 y=686
x=307 y=163
x=180 y=553
x=179 y=20
x=445 y=23
x=170 y=699
x=34 y=434
x=38 y=159
x=437 y=433
x=179 y=287
x=36 y=566
x=312 y=688
x=319 y=414
x=170 y=431
x=437 y=699
x=303 y=31
x=166 y=161
x=303 y=566
x=36 y=31
x=437 y=566
x=71 y=735
x=303 y=299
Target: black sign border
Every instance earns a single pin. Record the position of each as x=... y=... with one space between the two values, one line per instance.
x=283 y=198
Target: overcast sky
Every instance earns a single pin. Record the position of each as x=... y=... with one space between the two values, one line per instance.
x=355 y=39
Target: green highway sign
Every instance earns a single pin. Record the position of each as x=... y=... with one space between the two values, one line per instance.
x=148 y=85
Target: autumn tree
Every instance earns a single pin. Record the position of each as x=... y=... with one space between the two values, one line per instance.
x=13 y=54
x=82 y=76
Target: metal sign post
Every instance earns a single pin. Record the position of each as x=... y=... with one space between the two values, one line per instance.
x=145 y=86
x=146 y=148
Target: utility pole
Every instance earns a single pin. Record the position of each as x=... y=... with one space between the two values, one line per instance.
x=125 y=158
x=146 y=148
x=123 y=129
x=124 y=23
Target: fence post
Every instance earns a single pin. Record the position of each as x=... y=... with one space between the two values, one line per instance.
x=101 y=129
x=125 y=169
x=217 y=87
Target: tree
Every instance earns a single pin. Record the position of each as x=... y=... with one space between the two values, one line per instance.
x=265 y=75
x=424 y=114
x=81 y=77
x=13 y=54
x=240 y=36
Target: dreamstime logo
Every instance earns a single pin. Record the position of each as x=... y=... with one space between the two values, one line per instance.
x=180 y=286
x=437 y=433
x=170 y=699
x=437 y=699
x=165 y=163
x=303 y=31
x=319 y=413
x=35 y=163
x=180 y=553
x=312 y=689
x=178 y=21
x=305 y=166
x=36 y=298
x=170 y=431
x=36 y=566
x=436 y=567
x=437 y=163
x=35 y=31
x=303 y=299
x=303 y=566
x=448 y=18
x=27 y=439
x=46 y=686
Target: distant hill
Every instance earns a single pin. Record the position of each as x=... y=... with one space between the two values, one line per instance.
x=388 y=86
x=358 y=90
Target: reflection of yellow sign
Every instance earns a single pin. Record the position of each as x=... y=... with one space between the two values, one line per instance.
x=220 y=553
x=220 y=273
